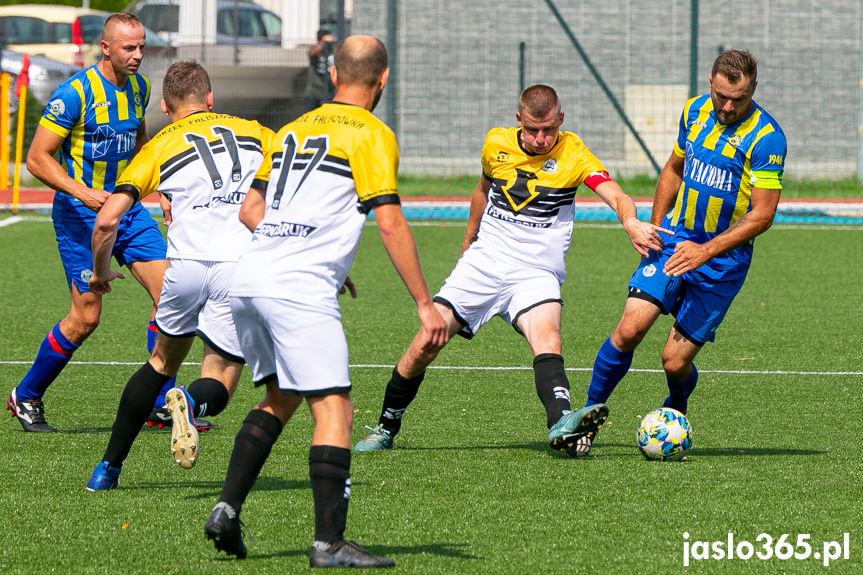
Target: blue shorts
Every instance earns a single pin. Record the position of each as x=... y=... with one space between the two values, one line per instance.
x=138 y=239
x=698 y=303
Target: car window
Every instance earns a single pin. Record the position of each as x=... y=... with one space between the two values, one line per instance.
x=62 y=33
x=248 y=23
x=91 y=28
x=225 y=22
x=272 y=25
x=160 y=17
x=24 y=30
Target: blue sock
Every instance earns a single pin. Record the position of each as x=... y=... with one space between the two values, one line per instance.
x=679 y=391
x=151 y=343
x=609 y=367
x=53 y=355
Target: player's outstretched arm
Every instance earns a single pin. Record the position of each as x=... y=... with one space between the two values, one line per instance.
x=477 y=206
x=399 y=242
x=41 y=163
x=104 y=235
x=643 y=236
x=688 y=255
x=667 y=187
x=252 y=210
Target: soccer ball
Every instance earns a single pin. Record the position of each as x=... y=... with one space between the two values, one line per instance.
x=664 y=434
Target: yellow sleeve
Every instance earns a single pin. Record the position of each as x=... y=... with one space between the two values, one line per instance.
x=262 y=176
x=375 y=164
x=141 y=176
x=485 y=157
x=589 y=163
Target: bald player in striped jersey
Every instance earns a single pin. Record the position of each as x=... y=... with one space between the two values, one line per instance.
x=512 y=263
x=329 y=169
x=204 y=163
x=95 y=120
x=718 y=190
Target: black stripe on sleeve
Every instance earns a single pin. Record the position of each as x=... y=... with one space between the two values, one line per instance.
x=129 y=189
x=366 y=206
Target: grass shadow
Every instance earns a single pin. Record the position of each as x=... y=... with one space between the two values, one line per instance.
x=83 y=430
x=450 y=550
x=597 y=450
x=712 y=451
x=535 y=446
x=262 y=484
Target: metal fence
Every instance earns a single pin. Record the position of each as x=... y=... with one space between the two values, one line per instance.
x=458 y=68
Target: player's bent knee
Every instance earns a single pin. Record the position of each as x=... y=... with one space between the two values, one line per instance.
x=78 y=327
x=676 y=368
x=628 y=336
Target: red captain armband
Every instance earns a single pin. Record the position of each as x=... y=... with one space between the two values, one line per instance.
x=595 y=178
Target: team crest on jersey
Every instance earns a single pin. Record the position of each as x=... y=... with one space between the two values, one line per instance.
x=138 y=99
x=550 y=166
x=57 y=107
x=502 y=156
x=86 y=275
x=649 y=271
x=735 y=140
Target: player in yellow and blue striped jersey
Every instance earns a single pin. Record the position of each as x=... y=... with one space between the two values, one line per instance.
x=95 y=120
x=717 y=192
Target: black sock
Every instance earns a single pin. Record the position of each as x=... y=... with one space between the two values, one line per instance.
x=209 y=395
x=398 y=396
x=552 y=387
x=251 y=448
x=136 y=403
x=330 y=473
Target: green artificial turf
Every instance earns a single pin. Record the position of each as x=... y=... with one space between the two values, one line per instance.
x=471 y=486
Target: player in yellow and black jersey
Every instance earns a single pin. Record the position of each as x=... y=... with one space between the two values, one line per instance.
x=512 y=263
x=323 y=173
x=204 y=163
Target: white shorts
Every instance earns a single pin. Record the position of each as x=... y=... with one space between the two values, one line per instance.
x=480 y=288
x=194 y=299
x=303 y=348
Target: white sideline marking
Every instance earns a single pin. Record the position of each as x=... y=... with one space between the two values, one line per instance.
x=500 y=368
x=10 y=221
x=15 y=219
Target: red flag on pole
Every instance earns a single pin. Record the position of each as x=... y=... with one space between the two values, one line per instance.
x=23 y=75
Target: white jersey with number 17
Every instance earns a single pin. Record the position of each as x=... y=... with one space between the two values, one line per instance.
x=325 y=172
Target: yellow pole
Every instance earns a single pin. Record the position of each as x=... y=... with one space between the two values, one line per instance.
x=5 y=82
x=19 y=147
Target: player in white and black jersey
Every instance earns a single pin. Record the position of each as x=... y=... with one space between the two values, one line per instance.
x=512 y=263
x=326 y=171
x=204 y=163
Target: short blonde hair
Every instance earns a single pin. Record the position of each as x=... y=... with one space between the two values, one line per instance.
x=538 y=100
